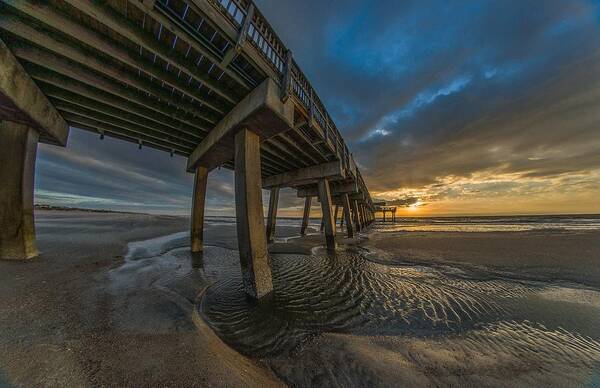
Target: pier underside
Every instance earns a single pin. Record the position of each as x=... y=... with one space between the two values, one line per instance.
x=210 y=83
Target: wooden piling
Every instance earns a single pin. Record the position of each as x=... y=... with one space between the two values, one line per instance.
x=272 y=216
x=198 y=206
x=347 y=215
x=306 y=215
x=18 y=149
x=325 y=198
x=252 y=239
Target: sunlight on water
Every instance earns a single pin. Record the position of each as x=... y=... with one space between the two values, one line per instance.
x=348 y=294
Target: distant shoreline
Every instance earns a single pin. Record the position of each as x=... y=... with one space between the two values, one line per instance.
x=73 y=209
x=67 y=208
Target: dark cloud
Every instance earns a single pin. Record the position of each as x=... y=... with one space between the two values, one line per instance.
x=431 y=90
x=447 y=100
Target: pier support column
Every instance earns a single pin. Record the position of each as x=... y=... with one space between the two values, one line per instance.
x=272 y=217
x=252 y=239
x=335 y=217
x=347 y=216
x=198 y=204
x=18 y=149
x=363 y=219
x=306 y=215
x=325 y=198
x=356 y=216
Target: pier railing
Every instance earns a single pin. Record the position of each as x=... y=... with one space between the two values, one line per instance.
x=272 y=49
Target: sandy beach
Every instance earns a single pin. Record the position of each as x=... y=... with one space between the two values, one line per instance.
x=117 y=299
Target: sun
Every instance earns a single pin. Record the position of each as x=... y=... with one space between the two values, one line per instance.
x=415 y=206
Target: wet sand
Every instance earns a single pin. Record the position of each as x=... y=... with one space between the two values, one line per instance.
x=389 y=309
x=571 y=256
x=66 y=322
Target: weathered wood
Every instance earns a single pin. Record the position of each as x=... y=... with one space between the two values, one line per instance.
x=337 y=188
x=118 y=23
x=109 y=70
x=347 y=215
x=335 y=214
x=220 y=23
x=54 y=85
x=184 y=33
x=306 y=175
x=325 y=198
x=53 y=64
x=356 y=215
x=18 y=148
x=22 y=101
x=272 y=216
x=261 y=112
x=198 y=206
x=252 y=239
x=306 y=215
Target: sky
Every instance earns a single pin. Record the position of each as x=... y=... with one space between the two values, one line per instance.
x=449 y=107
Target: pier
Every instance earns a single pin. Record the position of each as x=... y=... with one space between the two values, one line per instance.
x=383 y=208
x=205 y=79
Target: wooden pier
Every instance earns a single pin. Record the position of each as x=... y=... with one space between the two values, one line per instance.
x=205 y=79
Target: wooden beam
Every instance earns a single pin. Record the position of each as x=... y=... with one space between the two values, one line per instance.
x=116 y=22
x=347 y=215
x=306 y=215
x=306 y=175
x=272 y=216
x=189 y=36
x=69 y=89
x=357 y=222
x=325 y=198
x=337 y=188
x=109 y=70
x=261 y=112
x=50 y=62
x=22 y=101
x=79 y=114
x=198 y=206
x=100 y=127
x=252 y=239
x=78 y=105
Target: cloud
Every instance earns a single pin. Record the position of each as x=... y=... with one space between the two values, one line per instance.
x=431 y=94
x=438 y=101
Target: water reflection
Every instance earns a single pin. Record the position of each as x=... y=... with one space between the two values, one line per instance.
x=346 y=293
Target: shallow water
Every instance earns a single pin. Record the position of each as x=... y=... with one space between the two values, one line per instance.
x=316 y=295
x=492 y=224
x=354 y=320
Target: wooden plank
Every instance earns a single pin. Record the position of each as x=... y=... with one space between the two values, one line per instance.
x=69 y=90
x=68 y=103
x=313 y=173
x=116 y=22
x=67 y=70
x=176 y=28
x=41 y=39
